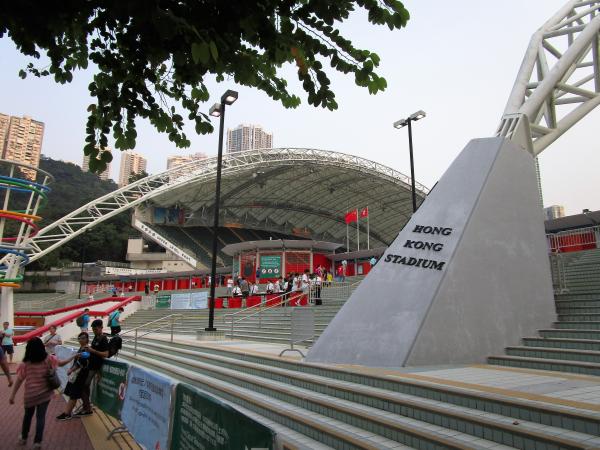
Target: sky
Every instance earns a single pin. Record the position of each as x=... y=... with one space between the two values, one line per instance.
x=457 y=61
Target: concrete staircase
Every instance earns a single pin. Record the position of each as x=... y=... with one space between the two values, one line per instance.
x=572 y=344
x=314 y=406
x=271 y=325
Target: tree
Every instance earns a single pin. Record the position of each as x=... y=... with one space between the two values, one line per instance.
x=152 y=56
x=137 y=176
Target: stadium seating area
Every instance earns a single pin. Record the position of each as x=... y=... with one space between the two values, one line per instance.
x=198 y=240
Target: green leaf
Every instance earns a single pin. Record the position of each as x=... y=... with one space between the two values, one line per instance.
x=22 y=74
x=213 y=51
x=200 y=52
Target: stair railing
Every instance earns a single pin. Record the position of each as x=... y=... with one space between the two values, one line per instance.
x=259 y=309
x=172 y=319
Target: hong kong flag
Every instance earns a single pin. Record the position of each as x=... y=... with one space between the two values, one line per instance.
x=364 y=212
x=352 y=216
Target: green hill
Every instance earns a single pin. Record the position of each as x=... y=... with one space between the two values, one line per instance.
x=71 y=189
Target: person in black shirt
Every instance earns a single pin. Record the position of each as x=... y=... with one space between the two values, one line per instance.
x=98 y=351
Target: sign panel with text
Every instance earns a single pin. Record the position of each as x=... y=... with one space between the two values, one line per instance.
x=109 y=392
x=270 y=266
x=147 y=408
x=203 y=423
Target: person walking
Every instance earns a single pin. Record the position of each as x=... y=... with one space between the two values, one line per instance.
x=83 y=321
x=5 y=367
x=52 y=340
x=33 y=372
x=245 y=288
x=114 y=321
x=7 y=341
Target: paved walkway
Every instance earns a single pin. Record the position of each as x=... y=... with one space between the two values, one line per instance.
x=69 y=435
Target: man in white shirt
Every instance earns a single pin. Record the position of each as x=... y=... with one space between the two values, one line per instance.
x=270 y=288
x=304 y=284
x=236 y=291
x=229 y=286
x=254 y=289
x=277 y=287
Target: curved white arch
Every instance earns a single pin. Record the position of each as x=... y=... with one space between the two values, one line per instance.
x=109 y=205
x=559 y=79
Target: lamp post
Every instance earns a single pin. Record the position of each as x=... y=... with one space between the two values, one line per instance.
x=401 y=124
x=217 y=110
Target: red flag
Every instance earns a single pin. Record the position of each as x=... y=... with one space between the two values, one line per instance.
x=352 y=216
x=364 y=212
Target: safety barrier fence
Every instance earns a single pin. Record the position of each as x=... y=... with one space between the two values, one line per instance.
x=574 y=240
x=162 y=413
x=38 y=332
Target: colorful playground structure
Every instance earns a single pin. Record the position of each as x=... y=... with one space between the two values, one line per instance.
x=24 y=191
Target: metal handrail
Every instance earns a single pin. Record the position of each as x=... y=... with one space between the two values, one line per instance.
x=171 y=323
x=261 y=310
x=251 y=307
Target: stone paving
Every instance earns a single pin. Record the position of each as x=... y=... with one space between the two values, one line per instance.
x=69 y=435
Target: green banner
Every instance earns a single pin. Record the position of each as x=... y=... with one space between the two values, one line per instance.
x=109 y=392
x=163 y=301
x=270 y=266
x=202 y=422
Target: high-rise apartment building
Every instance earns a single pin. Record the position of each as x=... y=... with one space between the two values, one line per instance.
x=105 y=175
x=21 y=141
x=248 y=137
x=179 y=160
x=131 y=163
x=554 y=212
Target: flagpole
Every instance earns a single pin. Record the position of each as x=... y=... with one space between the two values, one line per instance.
x=357 y=230
x=368 y=236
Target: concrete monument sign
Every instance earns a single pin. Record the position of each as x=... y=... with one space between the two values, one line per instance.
x=467 y=276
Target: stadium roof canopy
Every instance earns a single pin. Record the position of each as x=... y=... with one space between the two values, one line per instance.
x=306 y=191
x=298 y=191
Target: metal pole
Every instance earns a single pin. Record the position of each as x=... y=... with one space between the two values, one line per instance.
x=412 y=166
x=172 y=324
x=81 y=272
x=135 y=343
x=213 y=271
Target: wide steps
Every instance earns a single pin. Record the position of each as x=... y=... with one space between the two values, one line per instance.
x=492 y=403
x=557 y=365
x=585 y=317
x=588 y=356
x=570 y=333
x=563 y=343
x=390 y=414
x=331 y=432
x=577 y=325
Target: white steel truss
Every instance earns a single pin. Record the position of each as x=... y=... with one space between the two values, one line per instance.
x=109 y=205
x=559 y=79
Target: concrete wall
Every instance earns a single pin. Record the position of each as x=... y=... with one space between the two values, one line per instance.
x=487 y=281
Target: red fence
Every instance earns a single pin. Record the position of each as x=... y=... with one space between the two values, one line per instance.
x=574 y=240
x=70 y=317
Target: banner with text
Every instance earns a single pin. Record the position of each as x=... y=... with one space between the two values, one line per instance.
x=109 y=391
x=63 y=353
x=190 y=300
x=163 y=301
x=270 y=266
x=147 y=408
x=203 y=423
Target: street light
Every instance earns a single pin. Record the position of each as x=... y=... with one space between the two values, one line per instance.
x=217 y=110
x=401 y=124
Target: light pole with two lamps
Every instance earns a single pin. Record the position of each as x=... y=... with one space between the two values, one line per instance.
x=217 y=110
x=401 y=124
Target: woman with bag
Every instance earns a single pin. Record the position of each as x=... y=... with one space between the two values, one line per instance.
x=38 y=372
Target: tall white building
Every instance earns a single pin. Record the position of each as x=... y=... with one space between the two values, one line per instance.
x=554 y=212
x=131 y=163
x=105 y=175
x=179 y=160
x=248 y=137
x=21 y=140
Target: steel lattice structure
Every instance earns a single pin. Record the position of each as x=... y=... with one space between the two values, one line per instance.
x=167 y=187
x=559 y=79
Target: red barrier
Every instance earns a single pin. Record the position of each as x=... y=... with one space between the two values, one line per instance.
x=234 y=302
x=70 y=308
x=295 y=300
x=218 y=303
x=253 y=300
x=273 y=299
x=69 y=318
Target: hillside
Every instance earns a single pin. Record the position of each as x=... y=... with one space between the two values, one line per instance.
x=71 y=189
